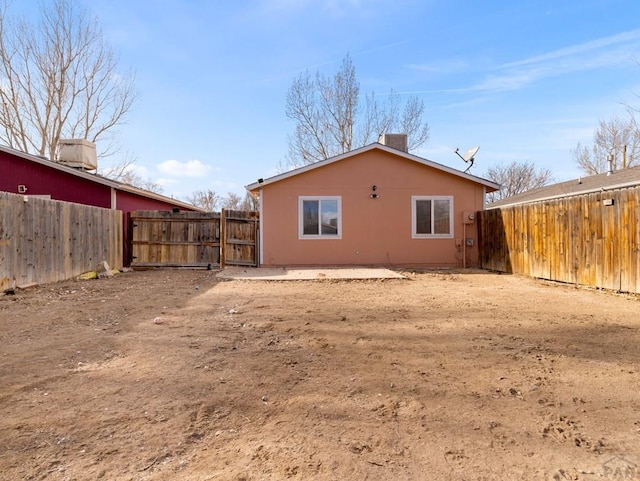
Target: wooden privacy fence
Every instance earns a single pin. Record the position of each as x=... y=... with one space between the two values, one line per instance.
x=193 y=239
x=590 y=239
x=47 y=241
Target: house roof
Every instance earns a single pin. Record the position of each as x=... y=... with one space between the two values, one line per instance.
x=491 y=186
x=584 y=185
x=98 y=179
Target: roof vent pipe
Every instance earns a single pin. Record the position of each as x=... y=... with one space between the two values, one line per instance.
x=609 y=164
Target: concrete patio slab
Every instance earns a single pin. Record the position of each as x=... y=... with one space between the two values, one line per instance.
x=287 y=274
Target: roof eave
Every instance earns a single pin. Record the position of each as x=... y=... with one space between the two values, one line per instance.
x=277 y=178
x=159 y=197
x=98 y=179
x=591 y=190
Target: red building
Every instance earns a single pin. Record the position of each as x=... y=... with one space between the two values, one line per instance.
x=69 y=180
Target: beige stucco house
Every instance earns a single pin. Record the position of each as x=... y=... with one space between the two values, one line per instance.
x=373 y=206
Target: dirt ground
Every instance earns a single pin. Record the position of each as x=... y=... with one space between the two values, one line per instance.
x=177 y=375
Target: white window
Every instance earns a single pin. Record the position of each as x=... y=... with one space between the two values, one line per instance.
x=320 y=217
x=431 y=216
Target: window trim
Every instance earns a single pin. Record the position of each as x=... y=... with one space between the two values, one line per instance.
x=414 y=220
x=301 y=234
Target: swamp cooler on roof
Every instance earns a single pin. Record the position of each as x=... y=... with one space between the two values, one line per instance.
x=77 y=153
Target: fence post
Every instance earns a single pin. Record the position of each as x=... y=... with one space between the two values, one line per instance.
x=223 y=237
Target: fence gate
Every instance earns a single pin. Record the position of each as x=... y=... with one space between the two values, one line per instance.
x=239 y=238
x=174 y=239
x=193 y=239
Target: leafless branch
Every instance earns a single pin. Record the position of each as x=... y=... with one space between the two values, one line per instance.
x=619 y=137
x=516 y=178
x=330 y=119
x=60 y=80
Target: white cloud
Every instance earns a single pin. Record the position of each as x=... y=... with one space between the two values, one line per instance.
x=586 y=47
x=336 y=7
x=449 y=66
x=501 y=83
x=191 y=168
x=139 y=170
x=595 y=54
x=164 y=182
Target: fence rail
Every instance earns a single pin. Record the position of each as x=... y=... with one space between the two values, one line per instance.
x=591 y=239
x=47 y=241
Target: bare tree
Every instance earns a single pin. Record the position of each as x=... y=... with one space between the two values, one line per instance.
x=212 y=201
x=250 y=202
x=132 y=178
x=208 y=200
x=516 y=178
x=119 y=170
x=232 y=201
x=59 y=80
x=617 y=137
x=330 y=120
x=124 y=171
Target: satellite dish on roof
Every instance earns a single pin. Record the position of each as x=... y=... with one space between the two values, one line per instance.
x=468 y=156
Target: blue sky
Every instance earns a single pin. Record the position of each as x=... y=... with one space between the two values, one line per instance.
x=524 y=80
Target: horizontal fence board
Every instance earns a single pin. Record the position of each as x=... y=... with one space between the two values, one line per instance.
x=591 y=239
x=240 y=242
x=45 y=241
x=142 y=266
x=173 y=243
